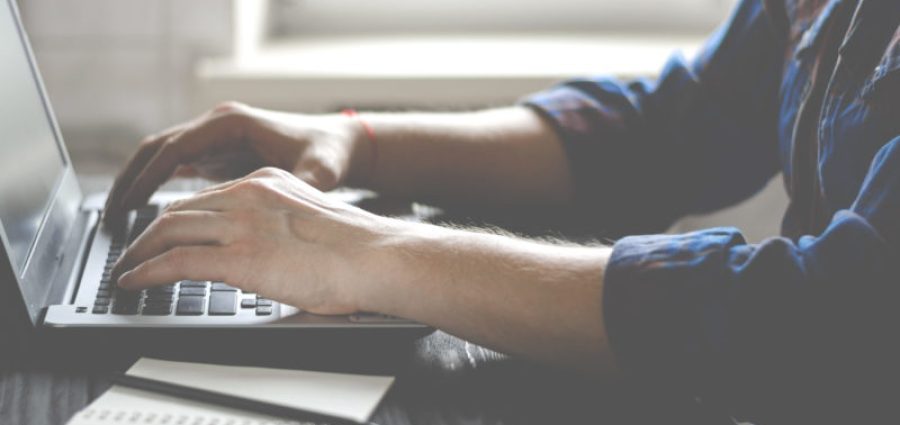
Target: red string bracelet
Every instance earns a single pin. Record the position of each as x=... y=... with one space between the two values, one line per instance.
x=370 y=134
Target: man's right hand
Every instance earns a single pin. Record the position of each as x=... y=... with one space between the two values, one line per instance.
x=234 y=139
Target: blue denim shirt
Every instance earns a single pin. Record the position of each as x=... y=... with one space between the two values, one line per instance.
x=784 y=328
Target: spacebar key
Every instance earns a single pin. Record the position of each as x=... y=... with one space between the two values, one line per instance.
x=223 y=303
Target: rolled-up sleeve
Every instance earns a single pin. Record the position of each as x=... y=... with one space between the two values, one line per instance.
x=701 y=136
x=766 y=328
x=770 y=330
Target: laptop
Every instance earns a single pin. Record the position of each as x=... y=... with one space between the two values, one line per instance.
x=57 y=254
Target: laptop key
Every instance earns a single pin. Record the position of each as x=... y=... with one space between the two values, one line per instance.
x=156 y=303
x=157 y=310
x=101 y=301
x=159 y=291
x=221 y=286
x=263 y=311
x=248 y=303
x=159 y=298
x=100 y=309
x=192 y=292
x=223 y=303
x=123 y=294
x=190 y=306
x=193 y=284
x=264 y=302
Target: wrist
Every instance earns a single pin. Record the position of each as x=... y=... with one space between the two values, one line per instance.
x=400 y=259
x=363 y=148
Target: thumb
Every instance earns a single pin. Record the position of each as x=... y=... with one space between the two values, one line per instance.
x=319 y=177
x=308 y=178
x=319 y=171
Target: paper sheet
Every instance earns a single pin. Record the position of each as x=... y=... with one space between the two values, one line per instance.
x=353 y=397
x=123 y=405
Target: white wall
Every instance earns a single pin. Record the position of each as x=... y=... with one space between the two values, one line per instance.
x=117 y=70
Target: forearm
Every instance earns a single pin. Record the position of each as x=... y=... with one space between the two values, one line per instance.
x=537 y=300
x=490 y=158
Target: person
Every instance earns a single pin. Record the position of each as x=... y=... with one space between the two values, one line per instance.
x=781 y=329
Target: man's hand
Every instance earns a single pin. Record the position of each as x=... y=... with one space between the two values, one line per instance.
x=234 y=139
x=268 y=233
x=275 y=235
x=273 y=232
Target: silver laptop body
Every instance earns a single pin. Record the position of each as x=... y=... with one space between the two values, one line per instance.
x=57 y=255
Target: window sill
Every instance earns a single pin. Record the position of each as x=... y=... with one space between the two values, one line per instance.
x=321 y=74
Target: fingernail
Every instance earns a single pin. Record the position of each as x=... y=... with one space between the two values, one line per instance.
x=122 y=278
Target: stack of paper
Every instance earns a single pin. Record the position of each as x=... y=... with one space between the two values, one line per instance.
x=353 y=397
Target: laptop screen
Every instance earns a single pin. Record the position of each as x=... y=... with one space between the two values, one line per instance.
x=31 y=161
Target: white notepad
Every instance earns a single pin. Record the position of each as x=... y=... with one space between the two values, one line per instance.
x=353 y=397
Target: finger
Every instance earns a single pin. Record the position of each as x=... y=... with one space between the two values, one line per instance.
x=174 y=229
x=186 y=147
x=202 y=262
x=258 y=172
x=114 y=211
x=186 y=171
x=313 y=178
x=317 y=172
x=209 y=199
x=147 y=149
x=229 y=194
x=229 y=164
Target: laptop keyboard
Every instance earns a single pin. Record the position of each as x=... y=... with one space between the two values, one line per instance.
x=185 y=298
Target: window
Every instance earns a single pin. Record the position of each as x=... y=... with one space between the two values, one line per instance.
x=439 y=54
x=293 y=18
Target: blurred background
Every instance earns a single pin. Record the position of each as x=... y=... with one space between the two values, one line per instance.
x=117 y=70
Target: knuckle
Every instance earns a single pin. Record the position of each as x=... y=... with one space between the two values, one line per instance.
x=166 y=219
x=173 y=206
x=170 y=146
x=250 y=187
x=258 y=185
x=229 y=106
x=267 y=172
x=234 y=116
x=148 y=141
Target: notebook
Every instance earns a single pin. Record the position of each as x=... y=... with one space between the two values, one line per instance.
x=349 y=396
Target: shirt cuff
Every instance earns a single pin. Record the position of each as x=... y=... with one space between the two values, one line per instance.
x=664 y=300
x=586 y=128
x=589 y=131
